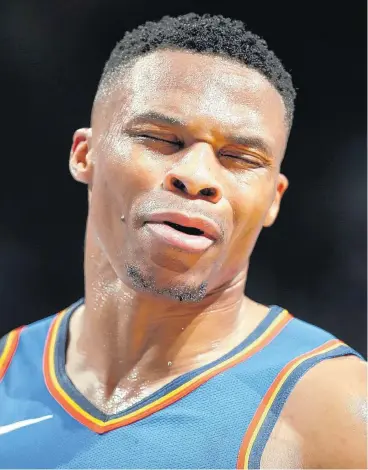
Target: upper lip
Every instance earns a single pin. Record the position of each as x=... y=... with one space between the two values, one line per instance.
x=209 y=228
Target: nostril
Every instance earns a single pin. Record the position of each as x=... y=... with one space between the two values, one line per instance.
x=208 y=192
x=192 y=187
x=178 y=184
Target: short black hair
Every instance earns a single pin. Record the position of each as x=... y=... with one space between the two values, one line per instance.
x=205 y=34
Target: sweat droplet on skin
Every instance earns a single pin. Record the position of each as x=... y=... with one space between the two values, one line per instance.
x=169 y=363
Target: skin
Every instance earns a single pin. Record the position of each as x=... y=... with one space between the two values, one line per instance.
x=155 y=312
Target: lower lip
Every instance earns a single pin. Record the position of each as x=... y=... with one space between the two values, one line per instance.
x=184 y=241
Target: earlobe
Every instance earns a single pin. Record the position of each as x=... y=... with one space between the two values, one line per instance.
x=271 y=214
x=273 y=211
x=80 y=162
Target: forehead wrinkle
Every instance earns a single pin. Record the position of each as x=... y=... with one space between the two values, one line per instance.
x=210 y=102
x=218 y=93
x=206 y=119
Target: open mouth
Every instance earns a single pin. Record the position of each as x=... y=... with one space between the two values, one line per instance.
x=184 y=229
x=190 y=234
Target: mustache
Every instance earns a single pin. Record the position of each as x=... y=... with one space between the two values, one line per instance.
x=158 y=202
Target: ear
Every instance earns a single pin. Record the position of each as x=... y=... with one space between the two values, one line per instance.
x=282 y=185
x=80 y=162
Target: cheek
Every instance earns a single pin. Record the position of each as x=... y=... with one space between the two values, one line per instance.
x=131 y=167
x=105 y=208
x=122 y=173
x=252 y=201
x=109 y=193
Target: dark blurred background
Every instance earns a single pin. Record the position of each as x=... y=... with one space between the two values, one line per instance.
x=313 y=261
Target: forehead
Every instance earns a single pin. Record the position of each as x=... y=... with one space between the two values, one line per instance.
x=208 y=91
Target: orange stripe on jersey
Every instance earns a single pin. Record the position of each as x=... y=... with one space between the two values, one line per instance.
x=7 y=355
x=270 y=397
x=99 y=426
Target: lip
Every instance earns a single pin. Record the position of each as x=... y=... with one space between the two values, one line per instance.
x=180 y=240
x=209 y=228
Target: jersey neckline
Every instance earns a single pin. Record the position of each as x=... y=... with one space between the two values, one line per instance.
x=67 y=395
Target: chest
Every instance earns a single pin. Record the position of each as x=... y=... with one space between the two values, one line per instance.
x=182 y=437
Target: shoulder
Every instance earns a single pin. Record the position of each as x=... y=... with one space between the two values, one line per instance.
x=327 y=410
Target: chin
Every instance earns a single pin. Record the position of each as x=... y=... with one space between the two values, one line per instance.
x=176 y=288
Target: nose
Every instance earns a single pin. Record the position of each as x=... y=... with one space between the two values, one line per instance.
x=194 y=175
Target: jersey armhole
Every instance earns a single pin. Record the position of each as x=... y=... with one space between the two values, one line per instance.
x=8 y=347
x=269 y=410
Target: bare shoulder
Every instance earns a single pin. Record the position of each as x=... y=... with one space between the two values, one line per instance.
x=324 y=421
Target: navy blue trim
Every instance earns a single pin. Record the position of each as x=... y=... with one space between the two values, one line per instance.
x=277 y=406
x=69 y=388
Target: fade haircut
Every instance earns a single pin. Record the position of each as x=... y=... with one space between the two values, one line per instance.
x=204 y=34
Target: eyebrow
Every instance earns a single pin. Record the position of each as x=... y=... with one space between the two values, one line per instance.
x=254 y=142
x=153 y=116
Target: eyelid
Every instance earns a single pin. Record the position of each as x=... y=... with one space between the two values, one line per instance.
x=256 y=153
x=151 y=135
x=248 y=152
x=159 y=139
x=263 y=158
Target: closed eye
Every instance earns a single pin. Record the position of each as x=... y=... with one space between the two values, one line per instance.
x=159 y=139
x=248 y=157
x=245 y=159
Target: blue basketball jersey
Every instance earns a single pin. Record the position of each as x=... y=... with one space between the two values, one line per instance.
x=218 y=416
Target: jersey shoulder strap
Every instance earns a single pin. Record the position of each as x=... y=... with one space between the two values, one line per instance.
x=306 y=345
x=8 y=347
x=20 y=341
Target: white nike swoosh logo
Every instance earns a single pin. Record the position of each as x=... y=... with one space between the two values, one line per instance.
x=22 y=424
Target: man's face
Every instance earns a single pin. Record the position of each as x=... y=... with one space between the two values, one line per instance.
x=200 y=139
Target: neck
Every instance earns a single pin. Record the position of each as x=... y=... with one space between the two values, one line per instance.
x=124 y=338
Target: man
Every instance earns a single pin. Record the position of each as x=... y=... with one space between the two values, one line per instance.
x=165 y=363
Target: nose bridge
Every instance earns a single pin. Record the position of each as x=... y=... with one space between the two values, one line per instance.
x=199 y=162
x=196 y=173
